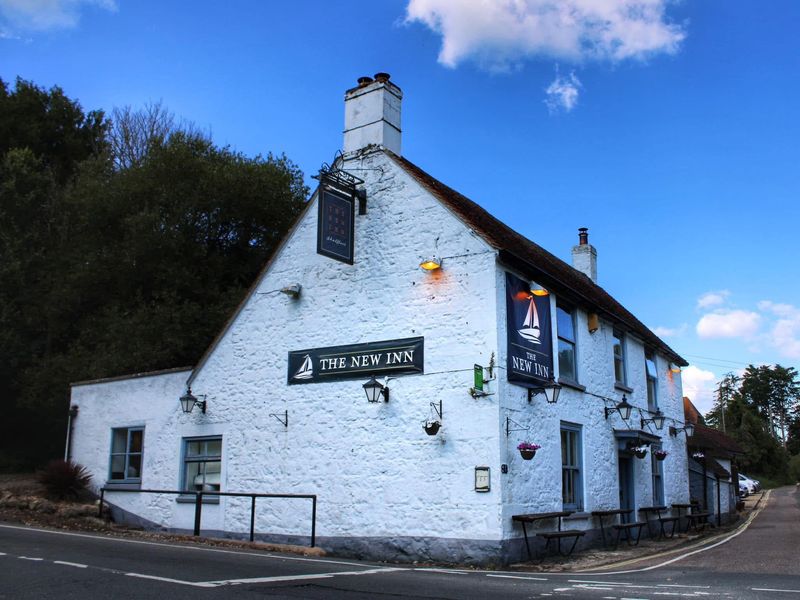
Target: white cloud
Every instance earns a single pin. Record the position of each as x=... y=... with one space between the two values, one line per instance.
x=699 y=386
x=670 y=331
x=729 y=324
x=710 y=299
x=562 y=93
x=45 y=15
x=500 y=33
x=785 y=331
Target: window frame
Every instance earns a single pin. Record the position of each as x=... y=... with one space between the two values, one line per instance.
x=571 y=343
x=657 y=475
x=575 y=468
x=652 y=392
x=618 y=334
x=187 y=460
x=127 y=453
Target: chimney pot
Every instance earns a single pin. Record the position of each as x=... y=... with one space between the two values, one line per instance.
x=584 y=255
x=372 y=115
x=382 y=77
x=583 y=236
x=362 y=81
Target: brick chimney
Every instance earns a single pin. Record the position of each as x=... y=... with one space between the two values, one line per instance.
x=584 y=255
x=372 y=114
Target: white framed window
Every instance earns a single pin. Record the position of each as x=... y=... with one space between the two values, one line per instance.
x=567 y=363
x=571 y=467
x=202 y=464
x=620 y=374
x=651 y=374
x=127 y=450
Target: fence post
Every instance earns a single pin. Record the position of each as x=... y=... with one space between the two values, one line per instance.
x=313 y=520
x=252 y=515
x=198 y=507
x=100 y=508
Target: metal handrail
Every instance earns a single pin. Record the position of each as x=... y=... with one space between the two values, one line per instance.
x=198 y=503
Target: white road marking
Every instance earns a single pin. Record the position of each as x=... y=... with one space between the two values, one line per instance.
x=678 y=585
x=441 y=570
x=279 y=578
x=775 y=590
x=182 y=546
x=70 y=564
x=600 y=582
x=30 y=558
x=516 y=577
x=202 y=584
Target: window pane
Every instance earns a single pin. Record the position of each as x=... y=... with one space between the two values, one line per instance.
x=566 y=360
x=119 y=441
x=565 y=326
x=194 y=478
x=619 y=371
x=214 y=448
x=118 y=466
x=194 y=448
x=568 y=491
x=564 y=445
x=136 y=440
x=134 y=466
x=651 y=394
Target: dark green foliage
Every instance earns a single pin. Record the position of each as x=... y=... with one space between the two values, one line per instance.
x=65 y=480
x=108 y=269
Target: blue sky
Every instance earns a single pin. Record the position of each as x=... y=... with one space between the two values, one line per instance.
x=670 y=129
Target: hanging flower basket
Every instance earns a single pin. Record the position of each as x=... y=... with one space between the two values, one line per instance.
x=698 y=455
x=639 y=451
x=660 y=454
x=432 y=427
x=527 y=450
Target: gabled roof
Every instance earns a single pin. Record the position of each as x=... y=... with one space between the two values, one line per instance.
x=691 y=414
x=521 y=253
x=708 y=438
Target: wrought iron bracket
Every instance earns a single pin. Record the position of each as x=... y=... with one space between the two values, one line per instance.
x=509 y=421
x=284 y=419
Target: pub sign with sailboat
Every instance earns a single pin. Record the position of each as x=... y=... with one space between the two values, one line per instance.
x=530 y=347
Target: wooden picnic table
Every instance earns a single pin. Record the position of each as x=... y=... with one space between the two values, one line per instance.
x=533 y=517
x=679 y=506
x=601 y=514
x=661 y=520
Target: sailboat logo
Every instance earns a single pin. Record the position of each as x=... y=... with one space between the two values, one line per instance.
x=530 y=327
x=306 y=370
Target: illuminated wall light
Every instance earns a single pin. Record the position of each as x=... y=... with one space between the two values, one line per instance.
x=674 y=368
x=431 y=263
x=538 y=290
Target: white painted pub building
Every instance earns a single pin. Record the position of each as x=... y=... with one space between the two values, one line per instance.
x=395 y=287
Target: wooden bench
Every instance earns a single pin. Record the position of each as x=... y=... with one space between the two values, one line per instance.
x=602 y=514
x=698 y=520
x=548 y=535
x=675 y=524
x=628 y=529
x=576 y=534
x=647 y=510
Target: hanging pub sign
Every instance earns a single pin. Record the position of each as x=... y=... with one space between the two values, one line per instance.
x=357 y=360
x=530 y=347
x=336 y=220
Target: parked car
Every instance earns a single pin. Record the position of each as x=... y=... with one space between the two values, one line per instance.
x=751 y=484
x=743 y=493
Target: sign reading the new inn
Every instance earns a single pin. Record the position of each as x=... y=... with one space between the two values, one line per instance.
x=357 y=360
x=336 y=225
x=530 y=346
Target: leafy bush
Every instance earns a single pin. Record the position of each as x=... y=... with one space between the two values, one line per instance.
x=794 y=468
x=65 y=480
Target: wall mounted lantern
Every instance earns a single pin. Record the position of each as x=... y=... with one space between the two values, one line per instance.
x=538 y=290
x=657 y=419
x=293 y=290
x=550 y=391
x=431 y=263
x=688 y=428
x=623 y=408
x=189 y=401
x=674 y=368
x=374 y=390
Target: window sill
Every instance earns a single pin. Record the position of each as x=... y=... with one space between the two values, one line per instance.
x=571 y=384
x=623 y=388
x=192 y=499
x=578 y=516
x=123 y=485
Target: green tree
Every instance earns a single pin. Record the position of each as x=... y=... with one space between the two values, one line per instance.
x=111 y=266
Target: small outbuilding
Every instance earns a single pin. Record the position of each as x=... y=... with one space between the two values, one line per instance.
x=422 y=368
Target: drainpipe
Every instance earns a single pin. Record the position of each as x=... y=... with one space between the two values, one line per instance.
x=719 y=505
x=73 y=412
x=705 y=484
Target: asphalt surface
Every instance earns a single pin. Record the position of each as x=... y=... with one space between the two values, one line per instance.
x=759 y=560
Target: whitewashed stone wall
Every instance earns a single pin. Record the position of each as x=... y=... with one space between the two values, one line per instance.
x=385 y=488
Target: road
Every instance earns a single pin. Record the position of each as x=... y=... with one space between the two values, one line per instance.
x=761 y=560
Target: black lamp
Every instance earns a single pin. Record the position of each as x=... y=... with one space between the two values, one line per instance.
x=550 y=392
x=189 y=401
x=688 y=428
x=657 y=419
x=623 y=408
x=375 y=390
